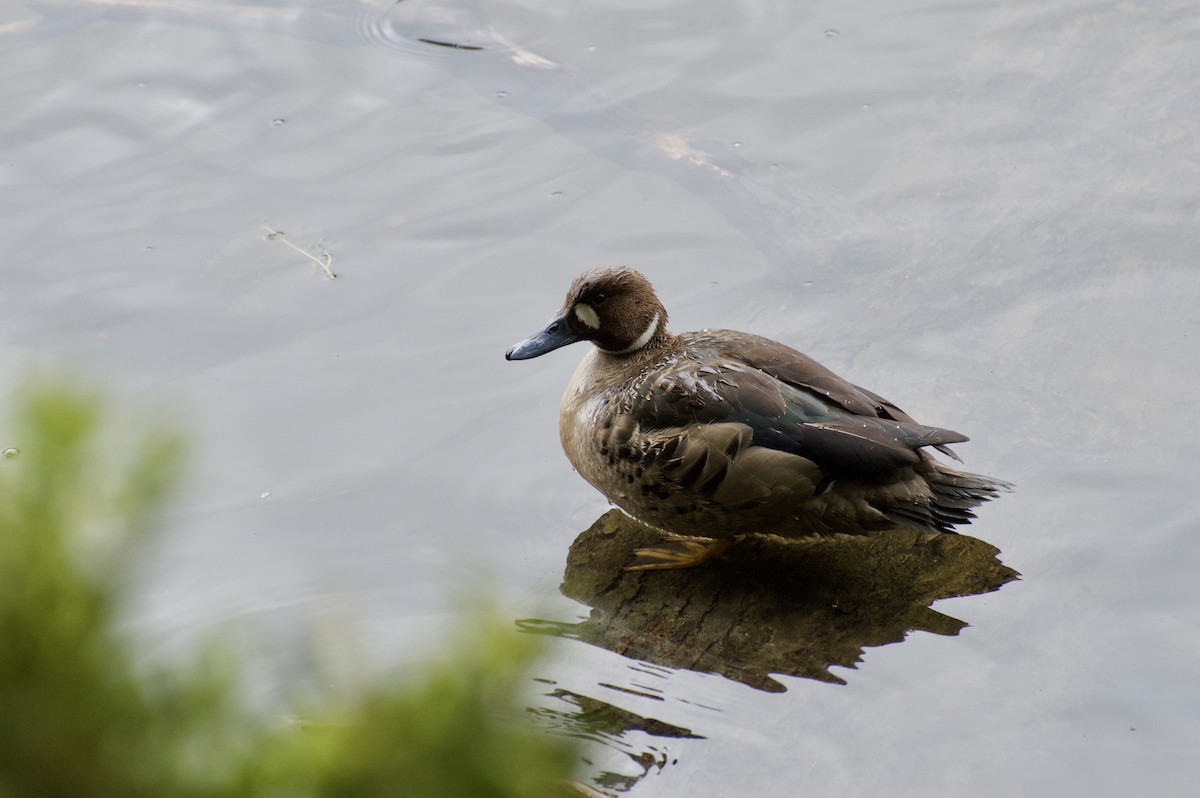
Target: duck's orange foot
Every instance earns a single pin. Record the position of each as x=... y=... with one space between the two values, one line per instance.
x=681 y=553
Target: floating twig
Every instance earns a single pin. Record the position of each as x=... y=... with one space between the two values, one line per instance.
x=452 y=45
x=324 y=261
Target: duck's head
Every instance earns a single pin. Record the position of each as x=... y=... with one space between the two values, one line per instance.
x=614 y=307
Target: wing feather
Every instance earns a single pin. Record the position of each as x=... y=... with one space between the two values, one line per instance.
x=790 y=402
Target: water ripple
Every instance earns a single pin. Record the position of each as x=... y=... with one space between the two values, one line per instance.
x=421 y=29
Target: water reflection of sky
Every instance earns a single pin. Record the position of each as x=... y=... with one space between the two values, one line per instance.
x=987 y=212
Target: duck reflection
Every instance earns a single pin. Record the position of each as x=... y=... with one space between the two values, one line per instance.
x=770 y=607
x=631 y=746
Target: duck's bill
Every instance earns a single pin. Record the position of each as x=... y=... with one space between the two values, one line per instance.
x=557 y=333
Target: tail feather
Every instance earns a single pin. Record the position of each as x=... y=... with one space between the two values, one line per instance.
x=953 y=496
x=955 y=493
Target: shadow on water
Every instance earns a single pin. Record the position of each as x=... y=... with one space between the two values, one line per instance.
x=768 y=608
x=614 y=728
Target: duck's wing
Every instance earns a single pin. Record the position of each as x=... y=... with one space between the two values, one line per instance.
x=796 y=369
x=800 y=371
x=810 y=418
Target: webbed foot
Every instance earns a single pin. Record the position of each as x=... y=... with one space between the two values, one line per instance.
x=681 y=553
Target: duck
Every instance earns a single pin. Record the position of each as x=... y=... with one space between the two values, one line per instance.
x=717 y=435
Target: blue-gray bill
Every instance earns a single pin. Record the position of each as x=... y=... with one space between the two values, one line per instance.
x=556 y=334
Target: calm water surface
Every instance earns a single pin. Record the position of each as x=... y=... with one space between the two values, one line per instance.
x=987 y=212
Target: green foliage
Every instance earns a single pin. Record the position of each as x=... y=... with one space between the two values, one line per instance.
x=80 y=716
x=451 y=733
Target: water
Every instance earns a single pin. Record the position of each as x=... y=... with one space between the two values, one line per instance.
x=986 y=212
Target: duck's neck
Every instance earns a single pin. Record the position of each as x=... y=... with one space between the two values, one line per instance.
x=654 y=336
x=660 y=343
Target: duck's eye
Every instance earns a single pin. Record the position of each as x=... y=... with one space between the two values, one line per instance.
x=598 y=299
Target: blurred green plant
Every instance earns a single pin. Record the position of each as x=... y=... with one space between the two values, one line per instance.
x=81 y=715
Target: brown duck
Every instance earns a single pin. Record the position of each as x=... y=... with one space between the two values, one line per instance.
x=717 y=434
